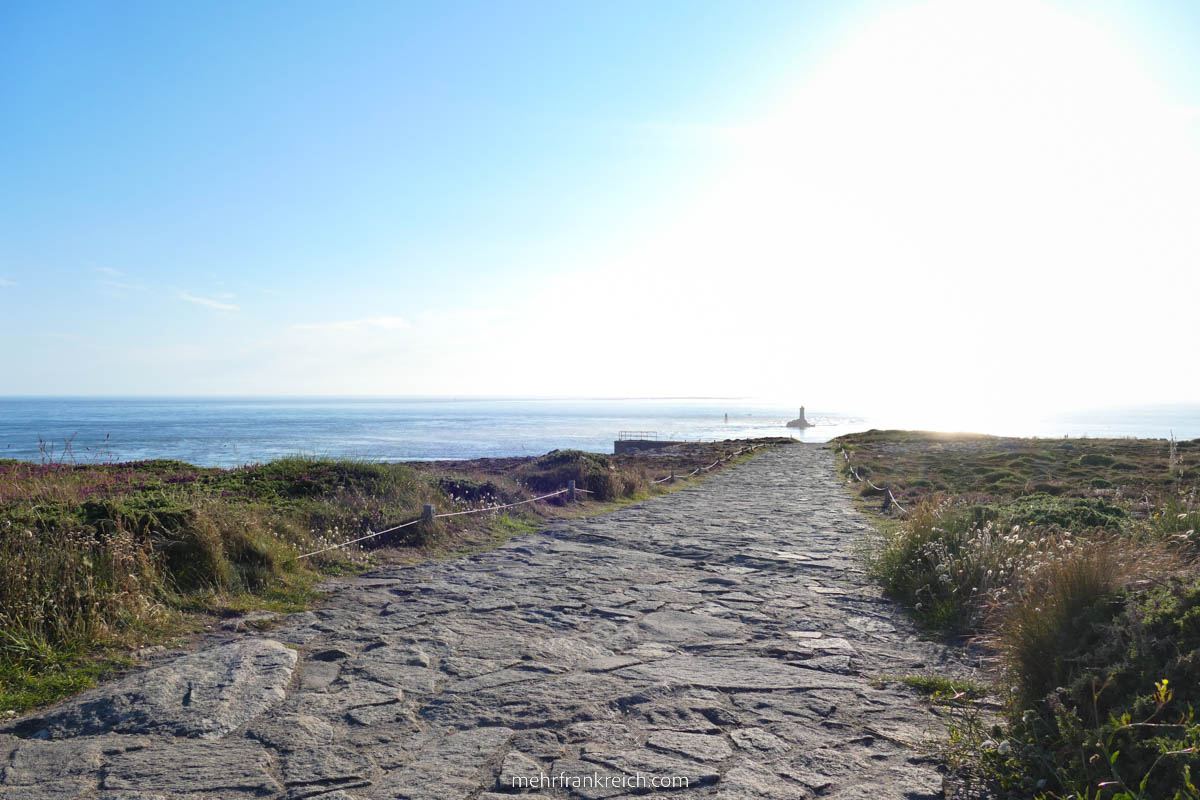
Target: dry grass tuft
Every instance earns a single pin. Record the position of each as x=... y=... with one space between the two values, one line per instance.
x=1063 y=603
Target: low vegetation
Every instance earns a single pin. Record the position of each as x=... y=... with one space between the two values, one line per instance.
x=592 y=473
x=1074 y=562
x=99 y=559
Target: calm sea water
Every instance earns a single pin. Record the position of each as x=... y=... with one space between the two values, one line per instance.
x=227 y=432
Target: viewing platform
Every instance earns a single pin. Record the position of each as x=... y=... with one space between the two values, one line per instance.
x=634 y=441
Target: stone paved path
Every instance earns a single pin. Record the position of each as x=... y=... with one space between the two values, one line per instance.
x=722 y=634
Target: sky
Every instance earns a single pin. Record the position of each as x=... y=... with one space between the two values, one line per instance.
x=861 y=204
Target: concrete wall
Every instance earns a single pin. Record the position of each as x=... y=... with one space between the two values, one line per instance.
x=633 y=445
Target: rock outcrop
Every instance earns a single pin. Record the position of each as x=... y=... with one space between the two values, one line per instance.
x=204 y=695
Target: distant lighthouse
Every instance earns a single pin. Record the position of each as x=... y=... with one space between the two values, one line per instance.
x=800 y=421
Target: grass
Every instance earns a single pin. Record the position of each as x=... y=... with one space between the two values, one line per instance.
x=1074 y=561
x=591 y=472
x=44 y=677
x=98 y=560
x=938 y=688
x=920 y=464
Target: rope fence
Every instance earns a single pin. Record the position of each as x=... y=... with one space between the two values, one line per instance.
x=429 y=516
x=370 y=535
x=506 y=505
x=889 y=498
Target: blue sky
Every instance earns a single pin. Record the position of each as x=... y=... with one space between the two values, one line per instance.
x=612 y=198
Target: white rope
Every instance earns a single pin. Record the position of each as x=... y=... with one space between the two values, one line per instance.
x=710 y=466
x=360 y=539
x=373 y=534
x=869 y=482
x=506 y=505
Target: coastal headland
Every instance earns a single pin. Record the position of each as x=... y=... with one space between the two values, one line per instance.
x=770 y=631
x=719 y=641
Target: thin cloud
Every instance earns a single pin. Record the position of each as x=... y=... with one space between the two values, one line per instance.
x=208 y=302
x=117 y=281
x=369 y=323
x=4 y=282
x=123 y=285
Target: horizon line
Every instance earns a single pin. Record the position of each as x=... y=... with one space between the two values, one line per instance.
x=366 y=397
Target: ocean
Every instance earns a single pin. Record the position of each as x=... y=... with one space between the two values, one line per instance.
x=233 y=431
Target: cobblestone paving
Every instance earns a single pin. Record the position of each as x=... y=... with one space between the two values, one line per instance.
x=722 y=634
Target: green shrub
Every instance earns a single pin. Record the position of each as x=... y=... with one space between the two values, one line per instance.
x=1079 y=595
x=1119 y=712
x=1064 y=513
x=300 y=477
x=633 y=482
x=590 y=471
x=1059 y=611
x=142 y=515
x=93 y=553
x=950 y=563
x=471 y=490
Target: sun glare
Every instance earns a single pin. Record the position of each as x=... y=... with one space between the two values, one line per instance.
x=985 y=177
x=999 y=132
